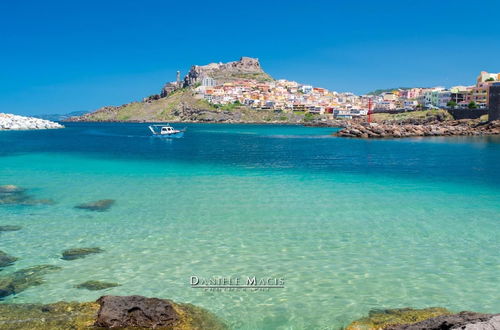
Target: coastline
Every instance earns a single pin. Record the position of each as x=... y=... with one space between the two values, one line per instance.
x=401 y=130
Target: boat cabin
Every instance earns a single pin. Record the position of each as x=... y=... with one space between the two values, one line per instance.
x=167 y=130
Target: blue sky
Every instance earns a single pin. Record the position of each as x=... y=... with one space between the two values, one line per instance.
x=63 y=56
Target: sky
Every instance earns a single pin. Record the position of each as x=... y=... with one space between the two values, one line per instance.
x=64 y=56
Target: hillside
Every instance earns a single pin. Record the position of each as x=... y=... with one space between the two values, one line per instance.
x=178 y=102
x=386 y=90
x=182 y=106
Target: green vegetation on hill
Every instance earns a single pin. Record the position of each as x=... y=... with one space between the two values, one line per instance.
x=387 y=90
x=425 y=114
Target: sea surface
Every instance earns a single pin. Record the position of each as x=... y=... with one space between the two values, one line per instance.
x=350 y=225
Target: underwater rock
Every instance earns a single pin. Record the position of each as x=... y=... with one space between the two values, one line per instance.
x=61 y=315
x=96 y=285
x=462 y=320
x=6 y=260
x=22 y=279
x=99 y=206
x=10 y=228
x=138 y=311
x=14 y=195
x=10 y=188
x=72 y=254
x=73 y=315
x=382 y=319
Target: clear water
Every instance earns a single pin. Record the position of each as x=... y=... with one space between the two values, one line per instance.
x=351 y=225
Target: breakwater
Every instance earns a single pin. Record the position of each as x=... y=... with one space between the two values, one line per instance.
x=14 y=122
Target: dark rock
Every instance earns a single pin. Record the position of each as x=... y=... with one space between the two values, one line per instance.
x=135 y=311
x=10 y=228
x=100 y=206
x=22 y=279
x=72 y=254
x=462 y=320
x=6 y=260
x=96 y=285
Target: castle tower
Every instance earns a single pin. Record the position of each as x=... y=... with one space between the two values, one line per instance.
x=178 y=80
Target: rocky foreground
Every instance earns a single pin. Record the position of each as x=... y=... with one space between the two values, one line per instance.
x=14 y=122
x=123 y=312
x=400 y=130
x=433 y=318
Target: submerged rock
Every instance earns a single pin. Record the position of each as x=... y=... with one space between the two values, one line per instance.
x=96 y=285
x=72 y=254
x=138 y=311
x=10 y=188
x=72 y=315
x=382 y=319
x=462 y=320
x=14 y=195
x=22 y=279
x=6 y=260
x=100 y=206
x=10 y=228
x=61 y=316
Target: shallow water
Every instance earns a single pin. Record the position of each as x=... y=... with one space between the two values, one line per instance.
x=351 y=225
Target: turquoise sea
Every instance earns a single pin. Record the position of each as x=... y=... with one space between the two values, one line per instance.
x=350 y=225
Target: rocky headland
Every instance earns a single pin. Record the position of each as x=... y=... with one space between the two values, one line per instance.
x=178 y=102
x=404 y=129
x=14 y=122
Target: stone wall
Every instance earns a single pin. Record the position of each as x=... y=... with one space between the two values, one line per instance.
x=467 y=113
x=494 y=112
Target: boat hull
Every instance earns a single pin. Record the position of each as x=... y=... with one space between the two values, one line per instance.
x=171 y=136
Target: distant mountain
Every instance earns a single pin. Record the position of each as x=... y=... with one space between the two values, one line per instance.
x=177 y=101
x=61 y=117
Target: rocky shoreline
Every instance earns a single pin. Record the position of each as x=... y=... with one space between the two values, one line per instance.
x=124 y=312
x=138 y=312
x=13 y=122
x=402 y=130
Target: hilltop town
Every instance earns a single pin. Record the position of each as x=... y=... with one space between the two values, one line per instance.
x=241 y=91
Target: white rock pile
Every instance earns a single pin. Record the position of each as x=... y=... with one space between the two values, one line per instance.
x=14 y=122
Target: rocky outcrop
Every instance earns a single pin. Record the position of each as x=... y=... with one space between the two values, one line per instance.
x=135 y=311
x=434 y=318
x=246 y=67
x=384 y=318
x=76 y=315
x=462 y=320
x=14 y=122
x=152 y=313
x=58 y=316
x=446 y=128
